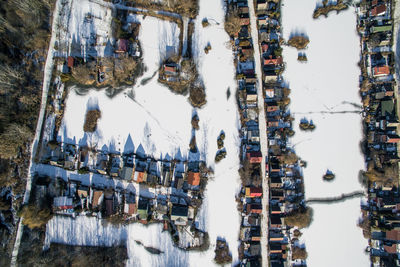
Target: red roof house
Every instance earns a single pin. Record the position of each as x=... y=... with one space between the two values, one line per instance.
x=193 y=178
x=379 y=10
x=381 y=71
x=254 y=156
x=70 y=62
x=123 y=45
x=253 y=192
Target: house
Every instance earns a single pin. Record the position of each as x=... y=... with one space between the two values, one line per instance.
x=130 y=204
x=179 y=214
x=166 y=173
x=70 y=62
x=253 y=136
x=276 y=236
x=273 y=61
x=253 y=192
x=262 y=5
x=379 y=10
x=254 y=249
x=140 y=175
x=102 y=163
x=275 y=221
x=255 y=233
x=127 y=173
x=254 y=208
x=244 y=19
x=275 y=209
x=122 y=46
x=384 y=28
x=276 y=181
x=143 y=208
x=109 y=200
x=178 y=182
x=277 y=194
x=62 y=203
x=97 y=198
x=170 y=71
x=83 y=191
x=393 y=235
x=270 y=75
x=254 y=156
x=381 y=71
x=193 y=178
x=116 y=164
x=162 y=207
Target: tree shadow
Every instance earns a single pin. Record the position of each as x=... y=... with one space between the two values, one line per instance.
x=129 y=147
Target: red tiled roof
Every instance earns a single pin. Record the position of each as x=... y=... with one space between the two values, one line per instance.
x=384 y=70
x=378 y=10
x=193 y=178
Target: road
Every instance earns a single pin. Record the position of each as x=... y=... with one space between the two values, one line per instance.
x=48 y=69
x=263 y=136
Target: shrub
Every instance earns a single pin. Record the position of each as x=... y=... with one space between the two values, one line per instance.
x=301 y=219
x=91 y=118
x=232 y=23
x=195 y=122
x=13 y=139
x=221 y=154
x=33 y=217
x=222 y=253
x=84 y=74
x=299 y=253
x=193 y=145
x=197 y=96
x=289 y=158
x=300 y=41
x=205 y=22
x=207 y=48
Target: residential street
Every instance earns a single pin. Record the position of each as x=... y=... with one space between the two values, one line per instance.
x=263 y=135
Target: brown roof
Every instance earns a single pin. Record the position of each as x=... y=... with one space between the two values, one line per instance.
x=193 y=178
x=393 y=235
x=390 y=249
x=378 y=10
x=96 y=196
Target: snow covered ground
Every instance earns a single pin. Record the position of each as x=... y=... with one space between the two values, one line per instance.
x=160 y=121
x=85 y=29
x=327 y=84
x=156 y=121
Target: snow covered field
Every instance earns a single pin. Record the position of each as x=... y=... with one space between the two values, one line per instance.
x=321 y=90
x=159 y=121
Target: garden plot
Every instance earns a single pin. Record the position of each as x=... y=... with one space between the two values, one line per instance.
x=325 y=90
x=154 y=121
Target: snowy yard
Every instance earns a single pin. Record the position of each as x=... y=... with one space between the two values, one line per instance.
x=159 y=122
x=325 y=90
x=85 y=29
x=156 y=121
